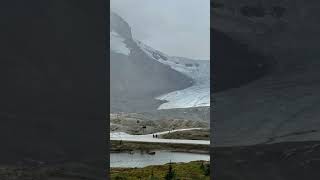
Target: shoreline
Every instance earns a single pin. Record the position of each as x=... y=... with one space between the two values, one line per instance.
x=127 y=146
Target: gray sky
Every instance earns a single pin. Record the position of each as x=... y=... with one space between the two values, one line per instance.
x=175 y=27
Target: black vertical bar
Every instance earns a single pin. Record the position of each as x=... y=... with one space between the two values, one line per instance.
x=53 y=96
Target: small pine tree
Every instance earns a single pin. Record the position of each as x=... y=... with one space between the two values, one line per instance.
x=207 y=170
x=202 y=166
x=170 y=174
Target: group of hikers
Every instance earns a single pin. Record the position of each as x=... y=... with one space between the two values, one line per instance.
x=156 y=135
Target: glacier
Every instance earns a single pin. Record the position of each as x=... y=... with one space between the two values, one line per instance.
x=198 y=94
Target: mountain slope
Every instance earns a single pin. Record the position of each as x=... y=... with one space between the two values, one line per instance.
x=135 y=78
x=142 y=77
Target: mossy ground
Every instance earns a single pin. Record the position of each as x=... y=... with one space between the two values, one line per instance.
x=184 y=171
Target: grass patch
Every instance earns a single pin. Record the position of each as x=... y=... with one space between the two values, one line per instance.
x=196 y=170
x=192 y=135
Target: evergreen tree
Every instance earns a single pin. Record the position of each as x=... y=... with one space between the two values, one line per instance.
x=207 y=170
x=202 y=166
x=170 y=174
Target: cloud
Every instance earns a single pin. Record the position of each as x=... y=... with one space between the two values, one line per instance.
x=176 y=27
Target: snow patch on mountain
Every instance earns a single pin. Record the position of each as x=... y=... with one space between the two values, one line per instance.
x=199 y=70
x=117 y=44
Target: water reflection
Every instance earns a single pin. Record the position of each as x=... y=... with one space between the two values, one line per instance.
x=138 y=159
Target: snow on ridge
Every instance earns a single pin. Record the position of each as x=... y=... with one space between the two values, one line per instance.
x=117 y=44
x=197 y=95
x=191 y=68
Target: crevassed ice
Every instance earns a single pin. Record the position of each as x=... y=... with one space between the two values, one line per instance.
x=195 y=96
x=117 y=44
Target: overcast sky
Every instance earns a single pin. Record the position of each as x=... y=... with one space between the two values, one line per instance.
x=175 y=27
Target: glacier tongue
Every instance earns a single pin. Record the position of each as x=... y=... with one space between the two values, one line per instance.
x=194 y=96
x=199 y=70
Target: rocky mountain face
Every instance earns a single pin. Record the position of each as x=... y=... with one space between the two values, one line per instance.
x=274 y=96
x=135 y=78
